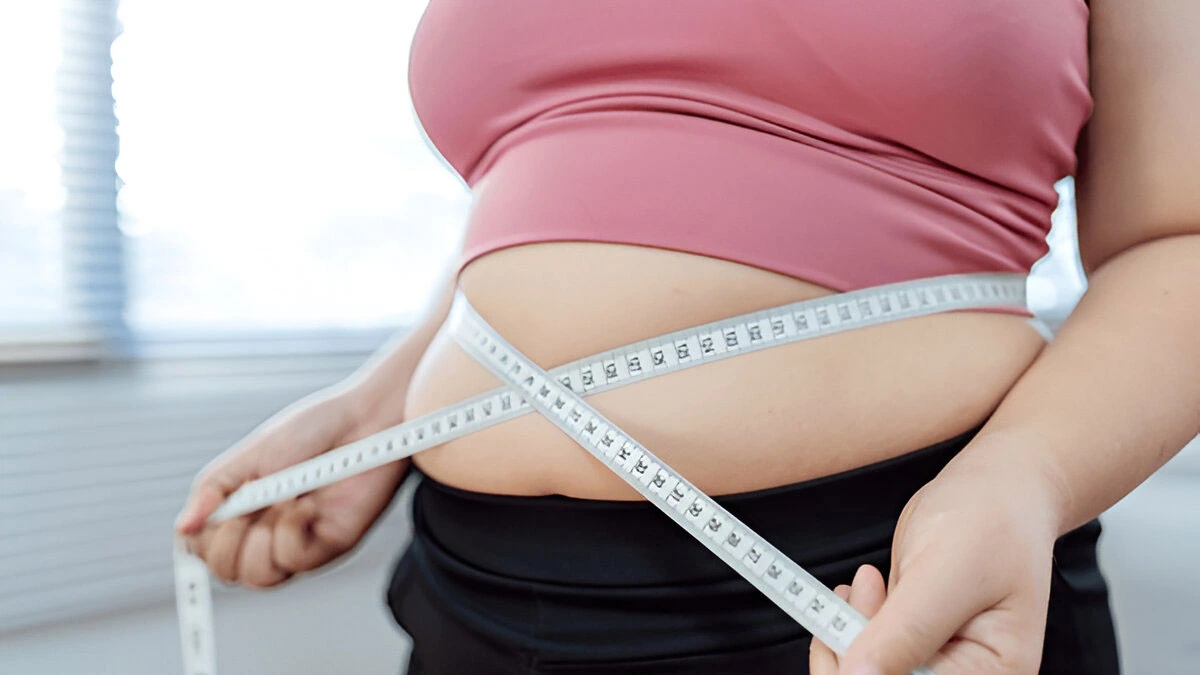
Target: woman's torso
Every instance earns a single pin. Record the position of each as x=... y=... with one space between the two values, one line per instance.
x=774 y=417
x=815 y=143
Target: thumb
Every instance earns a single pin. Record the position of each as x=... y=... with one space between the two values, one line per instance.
x=920 y=615
x=211 y=488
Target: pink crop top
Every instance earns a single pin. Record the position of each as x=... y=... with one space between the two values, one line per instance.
x=848 y=144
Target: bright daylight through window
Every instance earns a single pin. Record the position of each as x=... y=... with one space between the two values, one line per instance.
x=272 y=175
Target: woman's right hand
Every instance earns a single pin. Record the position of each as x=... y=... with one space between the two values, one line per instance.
x=267 y=547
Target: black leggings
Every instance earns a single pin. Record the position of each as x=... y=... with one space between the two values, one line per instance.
x=498 y=584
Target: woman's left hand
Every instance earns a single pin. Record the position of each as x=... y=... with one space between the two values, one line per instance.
x=969 y=584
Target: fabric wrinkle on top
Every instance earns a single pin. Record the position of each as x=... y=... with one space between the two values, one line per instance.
x=845 y=144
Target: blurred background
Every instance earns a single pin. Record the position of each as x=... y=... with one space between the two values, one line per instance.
x=209 y=210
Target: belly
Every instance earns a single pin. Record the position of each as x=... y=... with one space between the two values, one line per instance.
x=773 y=417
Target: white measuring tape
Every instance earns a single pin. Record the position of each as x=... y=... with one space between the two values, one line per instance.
x=556 y=395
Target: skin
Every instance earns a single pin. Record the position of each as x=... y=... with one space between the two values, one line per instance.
x=1069 y=430
x=1124 y=373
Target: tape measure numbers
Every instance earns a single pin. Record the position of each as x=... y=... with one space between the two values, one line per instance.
x=557 y=396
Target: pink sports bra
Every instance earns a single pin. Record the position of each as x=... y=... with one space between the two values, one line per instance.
x=845 y=144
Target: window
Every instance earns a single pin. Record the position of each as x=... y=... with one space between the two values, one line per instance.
x=51 y=161
x=274 y=174
x=272 y=214
x=271 y=178
x=30 y=179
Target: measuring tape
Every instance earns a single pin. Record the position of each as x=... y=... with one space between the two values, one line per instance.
x=557 y=395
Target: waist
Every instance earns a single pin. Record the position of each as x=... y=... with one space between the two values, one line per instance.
x=846 y=515
x=790 y=413
x=548 y=574
x=614 y=583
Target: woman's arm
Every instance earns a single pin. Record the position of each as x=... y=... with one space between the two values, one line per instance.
x=1107 y=403
x=1117 y=393
x=269 y=546
x=374 y=386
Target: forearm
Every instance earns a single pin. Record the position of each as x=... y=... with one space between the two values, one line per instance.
x=1115 y=395
x=380 y=386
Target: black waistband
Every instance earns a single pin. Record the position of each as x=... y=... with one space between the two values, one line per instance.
x=556 y=539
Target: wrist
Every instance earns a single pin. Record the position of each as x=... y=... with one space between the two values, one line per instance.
x=1021 y=472
x=368 y=406
x=377 y=392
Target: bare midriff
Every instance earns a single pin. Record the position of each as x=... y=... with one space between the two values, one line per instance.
x=774 y=417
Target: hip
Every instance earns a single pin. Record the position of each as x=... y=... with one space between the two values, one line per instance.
x=505 y=584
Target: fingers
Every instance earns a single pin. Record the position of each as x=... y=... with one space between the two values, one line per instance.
x=257 y=567
x=221 y=546
x=868 y=591
x=922 y=612
x=821 y=659
x=266 y=548
x=212 y=487
x=296 y=546
x=865 y=595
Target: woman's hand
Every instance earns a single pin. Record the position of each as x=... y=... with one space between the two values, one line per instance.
x=267 y=547
x=969 y=584
x=866 y=594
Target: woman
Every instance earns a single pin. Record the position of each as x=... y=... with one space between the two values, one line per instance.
x=639 y=167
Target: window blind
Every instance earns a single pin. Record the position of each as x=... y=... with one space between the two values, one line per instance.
x=96 y=455
x=60 y=264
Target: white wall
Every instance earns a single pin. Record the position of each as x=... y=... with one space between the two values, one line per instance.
x=1150 y=552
